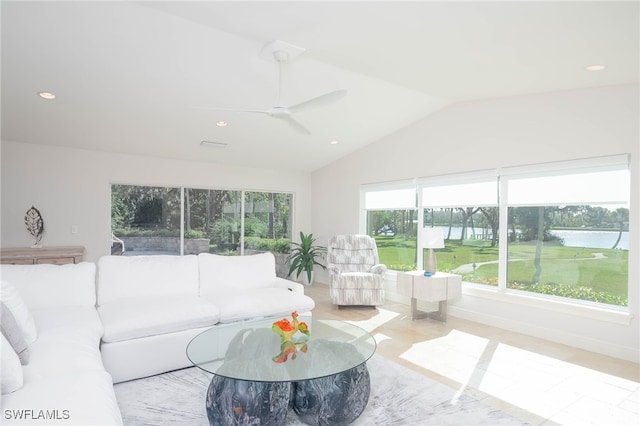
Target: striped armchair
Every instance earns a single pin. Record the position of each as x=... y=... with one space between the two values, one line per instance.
x=356 y=276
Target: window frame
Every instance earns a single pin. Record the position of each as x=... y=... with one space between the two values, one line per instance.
x=602 y=311
x=560 y=168
x=241 y=192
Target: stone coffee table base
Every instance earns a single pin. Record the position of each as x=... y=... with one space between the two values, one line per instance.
x=333 y=400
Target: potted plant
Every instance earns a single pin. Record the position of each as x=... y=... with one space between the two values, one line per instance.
x=304 y=256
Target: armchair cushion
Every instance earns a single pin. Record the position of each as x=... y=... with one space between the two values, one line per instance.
x=361 y=280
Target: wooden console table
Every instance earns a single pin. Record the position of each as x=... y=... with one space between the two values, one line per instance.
x=48 y=255
x=440 y=288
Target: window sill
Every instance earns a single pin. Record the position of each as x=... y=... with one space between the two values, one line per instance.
x=595 y=312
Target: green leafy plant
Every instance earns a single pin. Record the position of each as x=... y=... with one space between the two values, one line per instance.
x=280 y=245
x=304 y=256
x=572 y=292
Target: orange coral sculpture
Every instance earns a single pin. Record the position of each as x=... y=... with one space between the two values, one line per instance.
x=289 y=349
x=287 y=329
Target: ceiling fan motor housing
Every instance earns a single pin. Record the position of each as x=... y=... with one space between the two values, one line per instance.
x=279 y=112
x=280 y=51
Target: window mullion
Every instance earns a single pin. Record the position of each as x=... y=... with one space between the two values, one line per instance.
x=242 y=216
x=503 y=247
x=419 y=249
x=182 y=206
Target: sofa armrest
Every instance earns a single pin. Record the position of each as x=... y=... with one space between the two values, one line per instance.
x=379 y=269
x=289 y=285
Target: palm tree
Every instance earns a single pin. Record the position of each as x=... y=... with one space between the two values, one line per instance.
x=621 y=215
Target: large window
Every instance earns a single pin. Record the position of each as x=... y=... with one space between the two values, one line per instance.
x=215 y=216
x=467 y=214
x=556 y=230
x=568 y=234
x=391 y=218
x=141 y=216
x=267 y=221
x=157 y=220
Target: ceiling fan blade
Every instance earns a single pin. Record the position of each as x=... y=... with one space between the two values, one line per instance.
x=296 y=126
x=319 y=101
x=233 y=109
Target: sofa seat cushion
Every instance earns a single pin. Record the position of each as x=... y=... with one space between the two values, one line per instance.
x=80 y=398
x=133 y=318
x=241 y=304
x=68 y=342
x=65 y=381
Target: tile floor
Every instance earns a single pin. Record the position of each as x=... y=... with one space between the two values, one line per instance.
x=541 y=382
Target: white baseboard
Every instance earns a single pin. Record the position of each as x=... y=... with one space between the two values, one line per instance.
x=554 y=335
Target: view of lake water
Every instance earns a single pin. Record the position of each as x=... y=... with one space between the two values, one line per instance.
x=593 y=239
x=572 y=238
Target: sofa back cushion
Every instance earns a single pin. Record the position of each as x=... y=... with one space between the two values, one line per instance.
x=124 y=277
x=236 y=272
x=46 y=286
x=14 y=304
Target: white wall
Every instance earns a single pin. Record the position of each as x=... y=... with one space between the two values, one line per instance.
x=499 y=133
x=72 y=187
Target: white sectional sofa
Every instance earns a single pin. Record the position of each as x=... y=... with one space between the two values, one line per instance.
x=138 y=323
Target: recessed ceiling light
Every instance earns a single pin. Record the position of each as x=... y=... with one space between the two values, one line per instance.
x=47 y=95
x=595 y=67
x=334 y=142
x=221 y=124
x=211 y=144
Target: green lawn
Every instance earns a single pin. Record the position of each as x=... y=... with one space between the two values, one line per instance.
x=396 y=252
x=590 y=274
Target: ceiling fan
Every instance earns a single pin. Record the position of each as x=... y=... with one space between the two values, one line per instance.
x=283 y=112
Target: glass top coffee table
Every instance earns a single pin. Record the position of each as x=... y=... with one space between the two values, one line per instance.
x=259 y=375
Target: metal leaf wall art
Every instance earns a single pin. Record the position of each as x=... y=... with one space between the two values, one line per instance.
x=35 y=224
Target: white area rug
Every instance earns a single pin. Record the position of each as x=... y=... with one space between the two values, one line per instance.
x=399 y=396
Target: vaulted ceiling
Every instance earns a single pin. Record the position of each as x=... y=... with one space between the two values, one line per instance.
x=133 y=77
